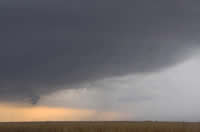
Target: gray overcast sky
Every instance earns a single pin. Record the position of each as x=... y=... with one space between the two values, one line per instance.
x=51 y=46
x=171 y=95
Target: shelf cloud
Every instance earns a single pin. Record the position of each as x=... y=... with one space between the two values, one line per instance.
x=47 y=44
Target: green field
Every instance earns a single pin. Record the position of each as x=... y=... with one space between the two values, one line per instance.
x=100 y=127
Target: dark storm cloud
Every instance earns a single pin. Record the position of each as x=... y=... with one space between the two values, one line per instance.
x=45 y=44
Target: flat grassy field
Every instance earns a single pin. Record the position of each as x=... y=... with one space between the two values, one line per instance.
x=100 y=127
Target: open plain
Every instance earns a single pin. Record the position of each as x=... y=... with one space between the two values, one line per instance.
x=100 y=127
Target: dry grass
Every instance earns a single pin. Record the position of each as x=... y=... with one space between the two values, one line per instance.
x=100 y=127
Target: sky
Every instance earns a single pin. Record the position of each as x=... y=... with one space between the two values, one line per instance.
x=99 y=60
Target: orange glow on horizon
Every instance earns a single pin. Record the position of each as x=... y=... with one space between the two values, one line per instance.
x=41 y=113
x=14 y=113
